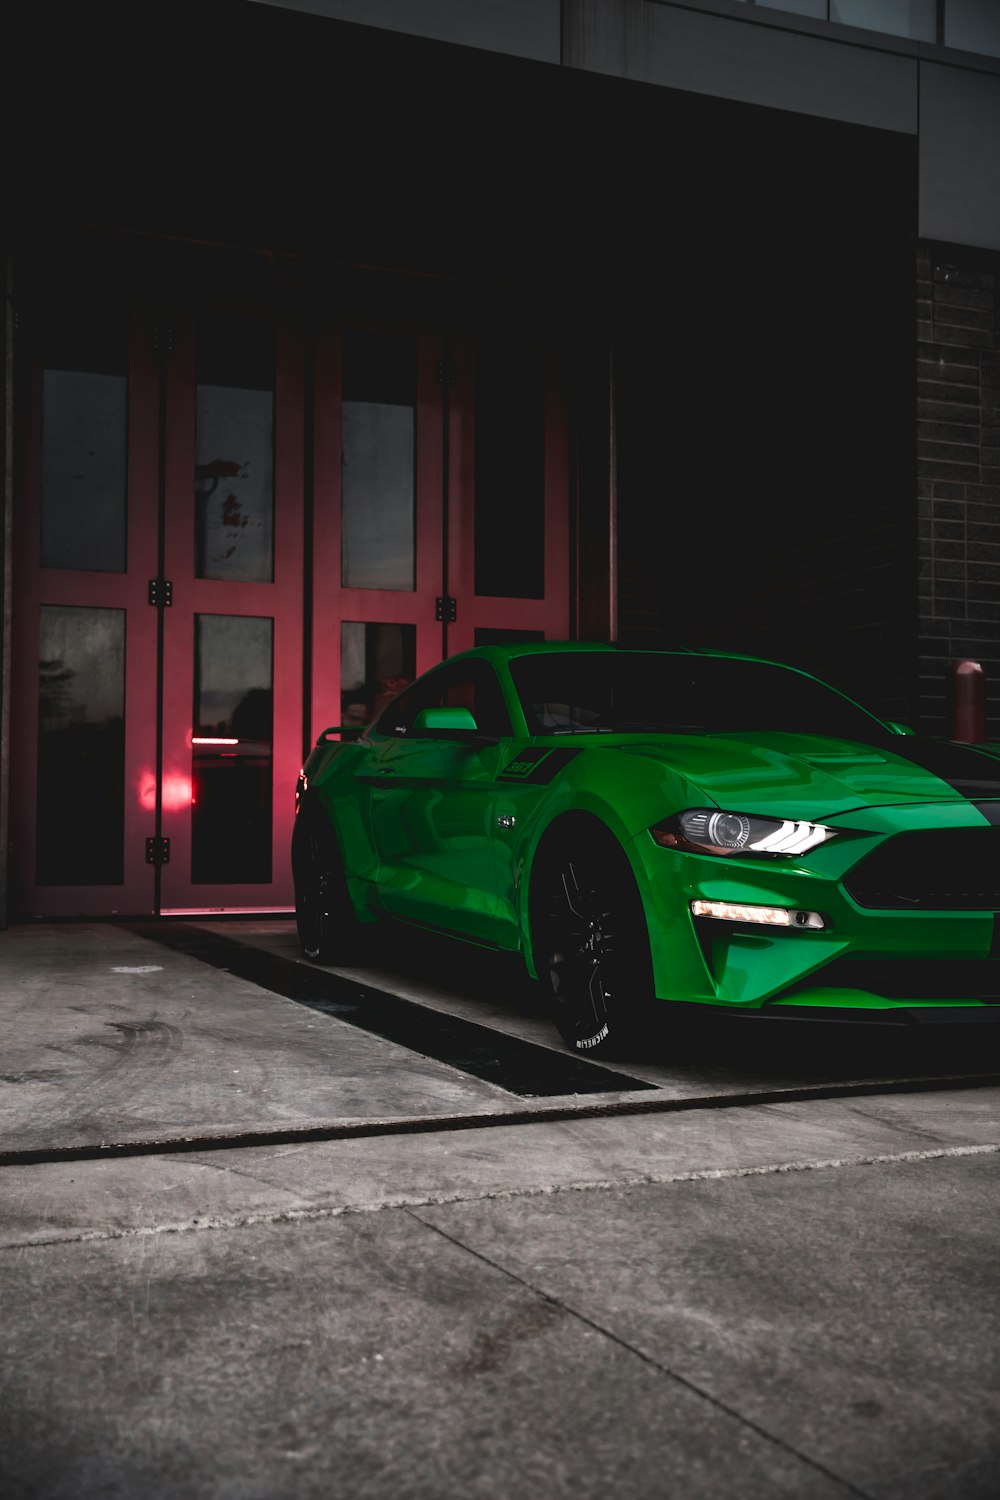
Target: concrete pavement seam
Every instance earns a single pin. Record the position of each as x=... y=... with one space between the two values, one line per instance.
x=648 y=1359
x=620 y=1105
x=440 y=1200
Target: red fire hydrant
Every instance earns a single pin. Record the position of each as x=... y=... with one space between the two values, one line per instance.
x=968 y=702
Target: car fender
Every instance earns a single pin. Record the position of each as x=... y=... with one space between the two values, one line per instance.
x=624 y=794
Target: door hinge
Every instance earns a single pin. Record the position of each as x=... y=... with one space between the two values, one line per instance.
x=446 y=609
x=161 y=591
x=157 y=851
x=447 y=372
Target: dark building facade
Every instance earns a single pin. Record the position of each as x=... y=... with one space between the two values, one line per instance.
x=343 y=335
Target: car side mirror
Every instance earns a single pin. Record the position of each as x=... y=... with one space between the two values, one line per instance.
x=445 y=721
x=894 y=727
x=345 y=731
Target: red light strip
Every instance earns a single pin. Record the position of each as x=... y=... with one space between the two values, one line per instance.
x=197 y=739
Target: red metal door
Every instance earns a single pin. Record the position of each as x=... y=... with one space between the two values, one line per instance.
x=440 y=507
x=158 y=742
x=159 y=634
x=84 y=638
x=233 y=633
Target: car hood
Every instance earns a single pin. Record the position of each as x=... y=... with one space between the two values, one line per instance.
x=810 y=776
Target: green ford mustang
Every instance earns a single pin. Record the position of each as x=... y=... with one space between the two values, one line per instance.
x=688 y=827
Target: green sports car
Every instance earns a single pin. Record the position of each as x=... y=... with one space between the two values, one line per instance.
x=680 y=826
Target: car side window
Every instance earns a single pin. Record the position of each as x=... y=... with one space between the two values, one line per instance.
x=397 y=719
x=470 y=684
x=476 y=688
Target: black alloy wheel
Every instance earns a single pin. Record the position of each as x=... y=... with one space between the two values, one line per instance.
x=593 y=946
x=324 y=916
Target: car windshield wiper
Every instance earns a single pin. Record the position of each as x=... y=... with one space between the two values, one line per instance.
x=630 y=726
x=643 y=726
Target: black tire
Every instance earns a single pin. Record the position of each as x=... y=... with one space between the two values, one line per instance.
x=328 y=928
x=591 y=944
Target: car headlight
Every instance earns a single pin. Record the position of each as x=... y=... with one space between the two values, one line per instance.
x=706 y=830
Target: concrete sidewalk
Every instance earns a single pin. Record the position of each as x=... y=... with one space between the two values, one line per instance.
x=536 y=1321
x=792 y=1298
x=108 y=1036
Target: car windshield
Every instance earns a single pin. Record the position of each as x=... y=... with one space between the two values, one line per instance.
x=581 y=692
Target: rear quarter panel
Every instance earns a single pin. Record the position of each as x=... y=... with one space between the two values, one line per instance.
x=331 y=776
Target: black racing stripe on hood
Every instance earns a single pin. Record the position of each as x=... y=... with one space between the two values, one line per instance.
x=966 y=769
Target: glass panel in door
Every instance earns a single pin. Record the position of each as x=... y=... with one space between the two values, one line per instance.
x=80 y=829
x=509 y=472
x=234 y=450
x=84 y=423
x=378 y=460
x=232 y=749
x=377 y=661
x=508 y=534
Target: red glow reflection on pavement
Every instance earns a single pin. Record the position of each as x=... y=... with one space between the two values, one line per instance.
x=177 y=791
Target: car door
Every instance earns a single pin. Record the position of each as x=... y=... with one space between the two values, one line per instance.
x=433 y=805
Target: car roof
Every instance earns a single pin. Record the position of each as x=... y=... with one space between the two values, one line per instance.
x=506 y=651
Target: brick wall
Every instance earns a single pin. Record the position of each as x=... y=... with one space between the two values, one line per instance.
x=958 y=486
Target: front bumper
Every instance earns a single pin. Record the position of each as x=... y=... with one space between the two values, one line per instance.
x=819 y=1009
x=874 y=963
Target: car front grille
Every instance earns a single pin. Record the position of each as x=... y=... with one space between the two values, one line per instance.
x=915 y=979
x=945 y=869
